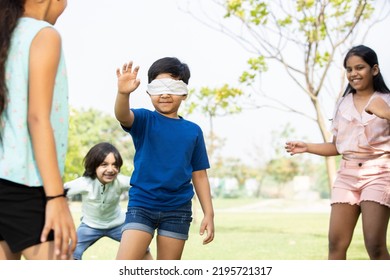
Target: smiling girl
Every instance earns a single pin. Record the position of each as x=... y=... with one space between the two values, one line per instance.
x=361 y=134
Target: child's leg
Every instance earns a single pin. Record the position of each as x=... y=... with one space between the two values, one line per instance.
x=86 y=237
x=41 y=251
x=375 y=221
x=169 y=248
x=343 y=219
x=173 y=232
x=116 y=234
x=133 y=245
x=6 y=253
x=148 y=256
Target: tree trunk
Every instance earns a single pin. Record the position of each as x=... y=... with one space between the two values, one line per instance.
x=327 y=136
x=331 y=169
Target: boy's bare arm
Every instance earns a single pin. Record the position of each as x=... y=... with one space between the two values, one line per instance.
x=202 y=188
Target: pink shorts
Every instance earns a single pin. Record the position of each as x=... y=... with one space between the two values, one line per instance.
x=359 y=181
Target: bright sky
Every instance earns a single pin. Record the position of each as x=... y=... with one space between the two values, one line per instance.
x=100 y=35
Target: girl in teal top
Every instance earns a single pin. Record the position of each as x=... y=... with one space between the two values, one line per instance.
x=34 y=124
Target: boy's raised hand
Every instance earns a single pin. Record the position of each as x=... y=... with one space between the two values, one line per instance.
x=127 y=78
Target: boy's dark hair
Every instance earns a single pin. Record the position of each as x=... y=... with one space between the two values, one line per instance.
x=170 y=65
x=96 y=155
x=370 y=57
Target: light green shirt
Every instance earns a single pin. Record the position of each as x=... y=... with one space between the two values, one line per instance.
x=100 y=203
x=17 y=160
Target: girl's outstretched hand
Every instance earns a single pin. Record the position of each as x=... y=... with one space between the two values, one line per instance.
x=296 y=147
x=208 y=226
x=127 y=78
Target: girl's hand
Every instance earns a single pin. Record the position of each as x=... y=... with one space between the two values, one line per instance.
x=296 y=147
x=378 y=107
x=59 y=219
x=127 y=78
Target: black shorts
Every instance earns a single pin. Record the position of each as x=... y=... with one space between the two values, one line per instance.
x=22 y=215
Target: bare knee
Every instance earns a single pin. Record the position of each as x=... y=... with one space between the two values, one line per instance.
x=377 y=250
x=338 y=248
x=6 y=253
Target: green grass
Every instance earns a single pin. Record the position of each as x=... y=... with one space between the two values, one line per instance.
x=251 y=236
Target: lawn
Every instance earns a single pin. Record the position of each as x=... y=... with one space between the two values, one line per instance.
x=250 y=235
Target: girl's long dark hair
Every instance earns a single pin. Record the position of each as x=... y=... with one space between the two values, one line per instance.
x=370 y=57
x=10 y=12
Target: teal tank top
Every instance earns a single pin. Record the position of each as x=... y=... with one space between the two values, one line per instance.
x=17 y=161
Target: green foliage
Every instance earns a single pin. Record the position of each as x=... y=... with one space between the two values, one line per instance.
x=256 y=65
x=318 y=30
x=322 y=59
x=88 y=128
x=253 y=11
x=304 y=4
x=285 y=21
x=282 y=170
x=215 y=101
x=304 y=22
x=317 y=19
x=235 y=168
x=234 y=7
x=321 y=181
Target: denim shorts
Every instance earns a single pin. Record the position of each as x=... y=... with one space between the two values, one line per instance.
x=174 y=223
x=87 y=236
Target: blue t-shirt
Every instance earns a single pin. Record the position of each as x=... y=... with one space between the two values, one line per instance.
x=167 y=152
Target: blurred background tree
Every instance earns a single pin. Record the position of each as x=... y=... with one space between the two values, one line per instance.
x=303 y=39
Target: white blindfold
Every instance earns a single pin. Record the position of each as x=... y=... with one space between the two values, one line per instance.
x=167 y=86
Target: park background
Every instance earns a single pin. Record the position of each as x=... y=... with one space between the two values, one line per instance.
x=268 y=205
